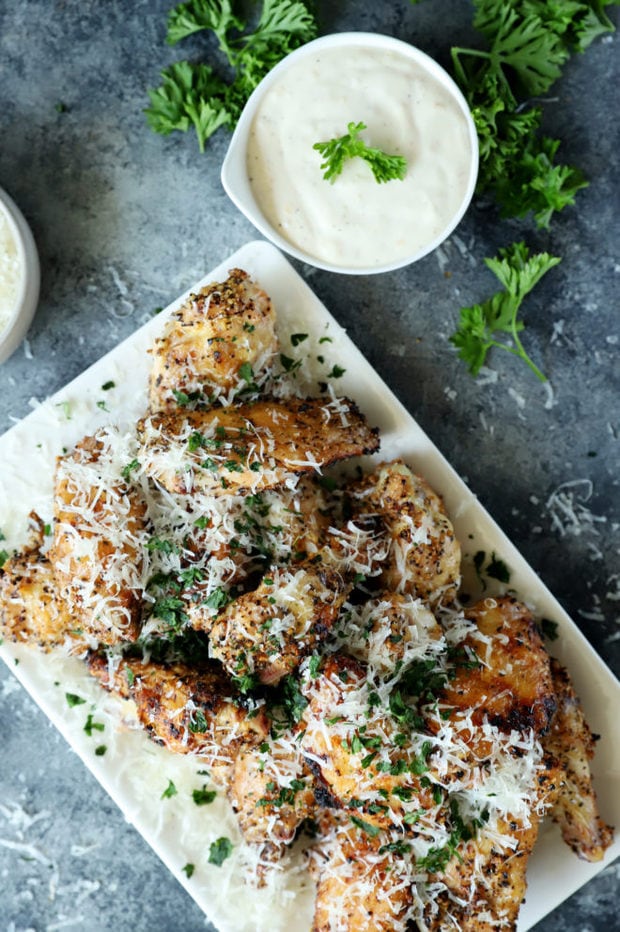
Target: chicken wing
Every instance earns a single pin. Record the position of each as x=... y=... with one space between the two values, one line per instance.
x=390 y=631
x=425 y=555
x=360 y=888
x=503 y=674
x=190 y=710
x=571 y=742
x=267 y=633
x=271 y=792
x=371 y=762
x=219 y=341
x=97 y=549
x=250 y=447
x=31 y=610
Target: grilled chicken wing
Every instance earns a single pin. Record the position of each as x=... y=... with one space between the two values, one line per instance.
x=97 y=549
x=271 y=792
x=571 y=742
x=206 y=343
x=267 y=633
x=424 y=555
x=350 y=742
x=190 y=710
x=31 y=610
x=508 y=682
x=389 y=631
x=359 y=888
x=251 y=447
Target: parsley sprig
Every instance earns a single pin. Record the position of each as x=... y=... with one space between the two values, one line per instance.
x=479 y=324
x=337 y=151
x=527 y=44
x=194 y=93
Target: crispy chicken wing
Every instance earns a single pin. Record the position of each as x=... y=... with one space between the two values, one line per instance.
x=31 y=610
x=97 y=549
x=390 y=630
x=424 y=555
x=571 y=742
x=508 y=682
x=271 y=792
x=267 y=633
x=359 y=887
x=350 y=742
x=190 y=710
x=250 y=447
x=226 y=326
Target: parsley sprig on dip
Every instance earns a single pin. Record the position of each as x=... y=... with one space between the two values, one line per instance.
x=337 y=151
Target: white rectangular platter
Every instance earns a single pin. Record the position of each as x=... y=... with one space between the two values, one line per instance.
x=134 y=771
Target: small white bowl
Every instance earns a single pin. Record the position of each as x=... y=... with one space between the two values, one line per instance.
x=27 y=295
x=235 y=177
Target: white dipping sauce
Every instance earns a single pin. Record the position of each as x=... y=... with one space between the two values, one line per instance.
x=356 y=221
x=10 y=271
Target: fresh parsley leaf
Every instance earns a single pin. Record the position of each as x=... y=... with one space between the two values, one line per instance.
x=188 y=870
x=479 y=324
x=192 y=94
x=170 y=791
x=337 y=151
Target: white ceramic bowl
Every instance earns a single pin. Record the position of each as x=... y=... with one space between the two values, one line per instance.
x=235 y=173
x=27 y=295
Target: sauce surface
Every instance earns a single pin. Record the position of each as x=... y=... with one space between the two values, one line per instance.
x=356 y=221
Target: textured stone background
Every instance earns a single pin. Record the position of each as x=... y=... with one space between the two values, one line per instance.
x=125 y=220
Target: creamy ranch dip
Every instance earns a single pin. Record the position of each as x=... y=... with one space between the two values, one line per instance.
x=355 y=221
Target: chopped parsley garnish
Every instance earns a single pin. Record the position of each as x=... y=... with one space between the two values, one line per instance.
x=4 y=556
x=203 y=797
x=549 y=629
x=127 y=470
x=108 y=385
x=100 y=750
x=367 y=827
x=91 y=725
x=217 y=599
x=198 y=723
x=336 y=372
x=73 y=700
x=170 y=791
x=188 y=870
x=297 y=338
x=220 y=850
x=102 y=405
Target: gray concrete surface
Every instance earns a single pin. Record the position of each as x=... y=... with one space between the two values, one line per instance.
x=125 y=220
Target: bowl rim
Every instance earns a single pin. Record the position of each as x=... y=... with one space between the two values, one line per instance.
x=234 y=173
x=29 y=284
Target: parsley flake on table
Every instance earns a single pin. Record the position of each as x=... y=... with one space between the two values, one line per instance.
x=337 y=151
x=518 y=272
